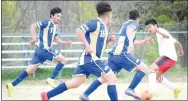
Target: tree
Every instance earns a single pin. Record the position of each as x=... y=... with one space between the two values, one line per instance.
x=10 y=14
x=85 y=11
x=168 y=12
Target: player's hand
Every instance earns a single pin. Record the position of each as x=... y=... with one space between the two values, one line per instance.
x=32 y=42
x=89 y=49
x=149 y=40
x=112 y=37
x=129 y=49
x=68 y=43
x=180 y=53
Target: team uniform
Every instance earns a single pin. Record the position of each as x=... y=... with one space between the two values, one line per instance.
x=167 y=51
x=167 y=60
x=119 y=57
x=96 y=34
x=43 y=51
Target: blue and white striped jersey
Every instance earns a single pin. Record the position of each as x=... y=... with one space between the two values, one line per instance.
x=47 y=33
x=96 y=34
x=122 y=42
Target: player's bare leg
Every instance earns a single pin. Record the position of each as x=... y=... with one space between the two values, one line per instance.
x=31 y=69
x=108 y=78
x=155 y=72
x=75 y=82
x=24 y=74
x=165 y=82
x=92 y=88
x=61 y=62
x=140 y=73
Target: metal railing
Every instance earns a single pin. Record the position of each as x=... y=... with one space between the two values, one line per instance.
x=10 y=58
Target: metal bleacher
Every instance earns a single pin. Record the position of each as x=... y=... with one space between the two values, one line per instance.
x=24 y=50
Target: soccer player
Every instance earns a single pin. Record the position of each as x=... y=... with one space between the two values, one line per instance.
x=43 y=51
x=93 y=35
x=167 y=59
x=120 y=57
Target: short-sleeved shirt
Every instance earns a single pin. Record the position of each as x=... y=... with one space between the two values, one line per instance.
x=122 y=42
x=96 y=34
x=47 y=33
x=166 y=45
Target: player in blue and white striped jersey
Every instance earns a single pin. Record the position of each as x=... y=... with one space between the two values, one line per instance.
x=120 y=56
x=47 y=35
x=93 y=35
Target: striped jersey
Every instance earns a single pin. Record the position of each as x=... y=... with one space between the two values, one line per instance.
x=47 y=33
x=122 y=42
x=96 y=34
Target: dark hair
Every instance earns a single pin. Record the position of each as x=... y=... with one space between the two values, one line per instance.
x=102 y=8
x=134 y=14
x=55 y=10
x=151 y=21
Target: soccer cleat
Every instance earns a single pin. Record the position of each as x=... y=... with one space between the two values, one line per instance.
x=10 y=89
x=51 y=82
x=44 y=96
x=132 y=93
x=83 y=98
x=176 y=93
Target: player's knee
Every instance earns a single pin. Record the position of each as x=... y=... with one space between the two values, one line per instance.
x=153 y=67
x=110 y=77
x=31 y=69
x=143 y=67
x=144 y=71
x=101 y=80
x=76 y=84
x=151 y=71
x=77 y=81
x=64 y=61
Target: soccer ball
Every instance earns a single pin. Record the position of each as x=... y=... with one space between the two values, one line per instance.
x=146 y=95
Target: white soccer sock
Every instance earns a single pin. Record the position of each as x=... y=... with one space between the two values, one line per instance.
x=166 y=83
x=152 y=82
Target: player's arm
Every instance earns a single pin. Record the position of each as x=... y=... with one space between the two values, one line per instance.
x=179 y=46
x=148 y=40
x=81 y=32
x=33 y=30
x=111 y=38
x=139 y=42
x=130 y=35
x=81 y=36
x=165 y=35
x=60 y=41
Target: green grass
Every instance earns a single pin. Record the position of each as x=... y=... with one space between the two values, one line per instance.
x=40 y=74
x=177 y=73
